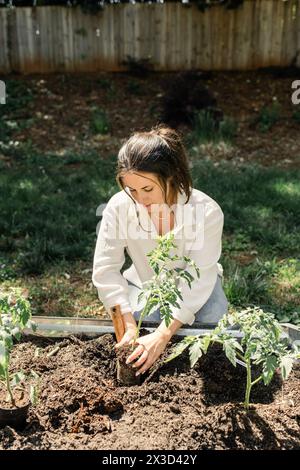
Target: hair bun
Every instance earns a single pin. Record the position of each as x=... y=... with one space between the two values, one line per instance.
x=164 y=132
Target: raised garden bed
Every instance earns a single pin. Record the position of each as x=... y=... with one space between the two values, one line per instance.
x=81 y=405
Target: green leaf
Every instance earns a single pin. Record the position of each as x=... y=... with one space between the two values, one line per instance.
x=3 y=361
x=31 y=324
x=2 y=372
x=3 y=355
x=269 y=367
x=206 y=340
x=34 y=375
x=286 y=365
x=16 y=333
x=195 y=352
x=179 y=348
x=230 y=351
x=33 y=393
x=167 y=318
x=8 y=341
x=17 y=378
x=156 y=268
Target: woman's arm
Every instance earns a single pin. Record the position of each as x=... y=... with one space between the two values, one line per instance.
x=168 y=331
x=109 y=258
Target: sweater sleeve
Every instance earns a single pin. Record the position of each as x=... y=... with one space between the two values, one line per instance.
x=206 y=259
x=109 y=258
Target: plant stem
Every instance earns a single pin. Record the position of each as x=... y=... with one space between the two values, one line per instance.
x=249 y=384
x=144 y=309
x=256 y=380
x=11 y=397
x=140 y=321
x=240 y=356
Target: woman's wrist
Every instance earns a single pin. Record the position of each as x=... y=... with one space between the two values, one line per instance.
x=168 y=331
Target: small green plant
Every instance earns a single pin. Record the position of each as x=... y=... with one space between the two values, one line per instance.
x=5 y=132
x=6 y=271
x=134 y=87
x=109 y=86
x=18 y=97
x=227 y=129
x=99 y=124
x=261 y=345
x=207 y=129
x=268 y=116
x=253 y=281
x=296 y=115
x=15 y=316
x=162 y=290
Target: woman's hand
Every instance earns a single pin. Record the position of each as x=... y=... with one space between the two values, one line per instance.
x=130 y=330
x=149 y=348
x=128 y=337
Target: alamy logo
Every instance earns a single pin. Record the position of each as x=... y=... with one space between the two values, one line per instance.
x=296 y=94
x=2 y=92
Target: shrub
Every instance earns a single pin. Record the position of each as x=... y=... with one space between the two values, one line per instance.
x=268 y=116
x=99 y=124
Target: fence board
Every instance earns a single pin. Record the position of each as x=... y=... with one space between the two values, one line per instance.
x=297 y=21
x=4 y=55
x=259 y=33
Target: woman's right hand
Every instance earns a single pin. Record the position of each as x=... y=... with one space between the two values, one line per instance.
x=128 y=337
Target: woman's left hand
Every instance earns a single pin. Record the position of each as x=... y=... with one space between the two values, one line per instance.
x=149 y=348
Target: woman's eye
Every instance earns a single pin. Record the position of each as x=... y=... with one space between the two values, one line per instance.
x=146 y=190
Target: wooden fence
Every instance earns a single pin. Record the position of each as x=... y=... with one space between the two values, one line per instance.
x=173 y=36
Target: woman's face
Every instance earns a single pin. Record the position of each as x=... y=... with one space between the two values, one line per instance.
x=144 y=188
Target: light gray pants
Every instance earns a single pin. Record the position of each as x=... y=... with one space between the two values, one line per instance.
x=210 y=313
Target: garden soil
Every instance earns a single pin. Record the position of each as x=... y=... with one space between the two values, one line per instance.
x=81 y=405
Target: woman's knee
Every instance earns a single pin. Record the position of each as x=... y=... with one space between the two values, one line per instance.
x=215 y=307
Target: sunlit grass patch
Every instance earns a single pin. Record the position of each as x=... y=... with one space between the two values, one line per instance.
x=286 y=289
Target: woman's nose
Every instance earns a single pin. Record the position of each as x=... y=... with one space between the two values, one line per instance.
x=144 y=201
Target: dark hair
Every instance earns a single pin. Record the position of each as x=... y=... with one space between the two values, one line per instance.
x=159 y=151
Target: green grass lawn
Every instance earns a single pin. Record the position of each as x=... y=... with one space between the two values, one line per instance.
x=48 y=230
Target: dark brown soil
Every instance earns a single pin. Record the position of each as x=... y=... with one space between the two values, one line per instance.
x=81 y=405
x=125 y=372
x=61 y=112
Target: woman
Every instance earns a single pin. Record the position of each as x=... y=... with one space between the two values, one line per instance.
x=156 y=197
